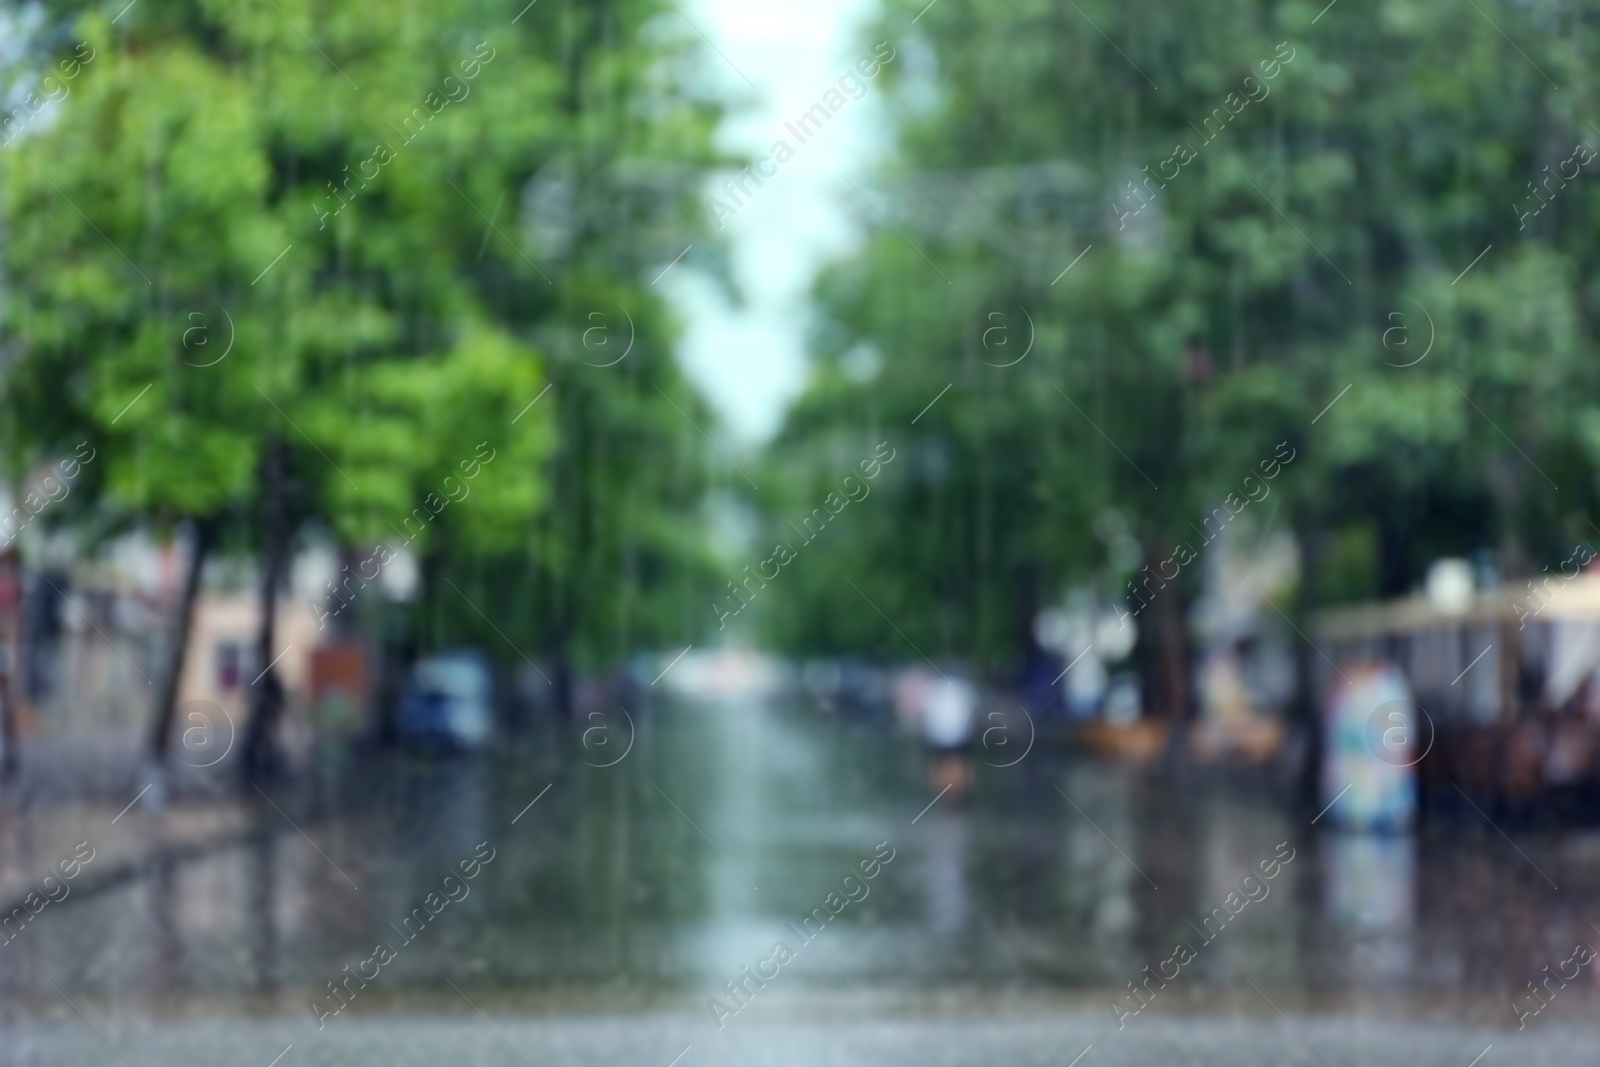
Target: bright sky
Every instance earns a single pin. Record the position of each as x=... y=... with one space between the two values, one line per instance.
x=748 y=356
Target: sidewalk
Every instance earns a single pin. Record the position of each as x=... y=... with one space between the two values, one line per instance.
x=71 y=797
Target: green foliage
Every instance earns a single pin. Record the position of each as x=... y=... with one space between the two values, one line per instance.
x=1220 y=309
x=335 y=195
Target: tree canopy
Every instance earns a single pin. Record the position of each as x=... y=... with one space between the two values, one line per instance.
x=323 y=231
x=1213 y=221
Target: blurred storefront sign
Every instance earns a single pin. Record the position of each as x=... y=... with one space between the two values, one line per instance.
x=340 y=691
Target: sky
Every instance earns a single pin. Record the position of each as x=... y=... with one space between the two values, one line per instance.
x=747 y=355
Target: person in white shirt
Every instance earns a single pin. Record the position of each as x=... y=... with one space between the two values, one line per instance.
x=947 y=715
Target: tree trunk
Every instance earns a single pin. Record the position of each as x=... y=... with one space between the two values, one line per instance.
x=1306 y=711
x=1173 y=643
x=1163 y=637
x=1394 y=553
x=562 y=682
x=201 y=534
x=260 y=758
x=10 y=661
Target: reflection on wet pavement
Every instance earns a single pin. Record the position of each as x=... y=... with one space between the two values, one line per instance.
x=652 y=884
x=844 y=1041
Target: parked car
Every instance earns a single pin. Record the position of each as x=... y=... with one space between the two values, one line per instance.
x=446 y=702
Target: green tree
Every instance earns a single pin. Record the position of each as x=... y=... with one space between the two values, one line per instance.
x=317 y=189
x=1338 y=166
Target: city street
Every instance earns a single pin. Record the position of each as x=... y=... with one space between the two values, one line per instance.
x=669 y=533
x=609 y=904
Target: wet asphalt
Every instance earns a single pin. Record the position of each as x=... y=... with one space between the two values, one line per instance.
x=768 y=883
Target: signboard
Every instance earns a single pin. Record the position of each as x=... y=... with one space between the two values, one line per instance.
x=1374 y=737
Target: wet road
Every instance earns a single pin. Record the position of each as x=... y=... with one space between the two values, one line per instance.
x=1009 y=923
